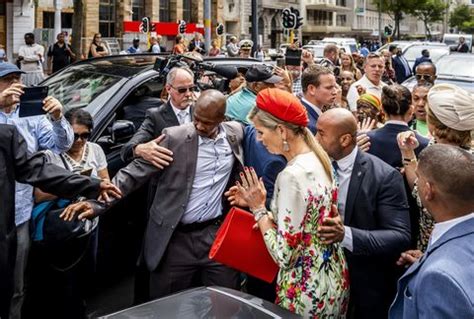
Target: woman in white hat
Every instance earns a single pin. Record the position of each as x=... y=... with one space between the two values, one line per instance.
x=450 y=117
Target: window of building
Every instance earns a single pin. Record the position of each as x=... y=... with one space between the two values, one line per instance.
x=187 y=5
x=48 y=20
x=341 y=3
x=138 y=9
x=341 y=20
x=107 y=18
x=322 y=18
x=164 y=10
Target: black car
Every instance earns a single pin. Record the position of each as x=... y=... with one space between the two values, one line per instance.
x=206 y=302
x=110 y=88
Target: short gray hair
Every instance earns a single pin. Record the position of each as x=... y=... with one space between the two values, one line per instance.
x=172 y=74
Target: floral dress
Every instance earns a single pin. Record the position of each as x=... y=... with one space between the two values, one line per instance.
x=313 y=280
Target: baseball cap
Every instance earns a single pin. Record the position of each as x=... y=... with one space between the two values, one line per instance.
x=261 y=73
x=8 y=68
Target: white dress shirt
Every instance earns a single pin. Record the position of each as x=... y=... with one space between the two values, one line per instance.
x=442 y=228
x=353 y=95
x=314 y=107
x=182 y=119
x=344 y=172
x=213 y=168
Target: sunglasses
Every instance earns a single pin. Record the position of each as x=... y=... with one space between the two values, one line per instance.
x=423 y=76
x=83 y=136
x=184 y=90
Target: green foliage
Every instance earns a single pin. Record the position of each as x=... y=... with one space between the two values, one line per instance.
x=429 y=11
x=462 y=18
x=396 y=9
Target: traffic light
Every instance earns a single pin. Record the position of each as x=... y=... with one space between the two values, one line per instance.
x=220 y=29
x=152 y=27
x=298 y=19
x=388 y=30
x=182 y=27
x=288 y=19
x=145 y=25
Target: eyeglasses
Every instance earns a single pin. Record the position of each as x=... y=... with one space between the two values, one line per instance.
x=184 y=90
x=83 y=136
x=423 y=76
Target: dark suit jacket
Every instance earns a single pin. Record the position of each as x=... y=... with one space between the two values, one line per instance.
x=383 y=143
x=400 y=69
x=202 y=47
x=420 y=60
x=312 y=115
x=16 y=166
x=376 y=210
x=462 y=48
x=156 y=120
x=175 y=181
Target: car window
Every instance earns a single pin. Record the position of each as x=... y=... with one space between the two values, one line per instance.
x=317 y=51
x=455 y=67
x=415 y=52
x=82 y=87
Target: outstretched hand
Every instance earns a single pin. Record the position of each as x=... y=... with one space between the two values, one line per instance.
x=83 y=209
x=107 y=190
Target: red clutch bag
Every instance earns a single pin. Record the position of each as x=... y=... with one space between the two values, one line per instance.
x=239 y=246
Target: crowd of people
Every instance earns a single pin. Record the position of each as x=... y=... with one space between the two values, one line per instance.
x=356 y=184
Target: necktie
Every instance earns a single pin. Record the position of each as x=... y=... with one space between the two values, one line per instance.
x=336 y=174
x=182 y=117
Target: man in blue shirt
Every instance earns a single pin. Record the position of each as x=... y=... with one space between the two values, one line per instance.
x=40 y=132
x=135 y=48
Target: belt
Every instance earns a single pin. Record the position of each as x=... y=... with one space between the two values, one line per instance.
x=198 y=226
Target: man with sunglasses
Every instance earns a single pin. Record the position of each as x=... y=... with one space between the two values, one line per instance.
x=51 y=132
x=176 y=111
x=425 y=73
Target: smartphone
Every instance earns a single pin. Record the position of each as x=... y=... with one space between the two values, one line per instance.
x=86 y=172
x=293 y=57
x=280 y=62
x=31 y=102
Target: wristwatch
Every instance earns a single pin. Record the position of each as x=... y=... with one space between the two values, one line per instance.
x=259 y=213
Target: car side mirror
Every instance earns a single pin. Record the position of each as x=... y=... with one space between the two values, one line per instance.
x=122 y=131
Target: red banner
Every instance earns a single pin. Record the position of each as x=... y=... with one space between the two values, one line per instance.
x=162 y=28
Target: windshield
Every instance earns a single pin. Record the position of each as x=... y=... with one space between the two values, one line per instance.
x=317 y=51
x=415 y=52
x=82 y=86
x=453 y=66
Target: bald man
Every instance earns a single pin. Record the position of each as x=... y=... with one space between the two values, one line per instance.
x=187 y=207
x=374 y=223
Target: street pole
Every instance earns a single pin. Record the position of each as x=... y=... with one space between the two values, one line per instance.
x=57 y=18
x=380 y=22
x=254 y=26
x=207 y=24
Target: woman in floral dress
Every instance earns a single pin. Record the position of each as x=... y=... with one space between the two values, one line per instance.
x=313 y=277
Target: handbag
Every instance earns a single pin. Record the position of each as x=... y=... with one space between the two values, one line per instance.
x=241 y=247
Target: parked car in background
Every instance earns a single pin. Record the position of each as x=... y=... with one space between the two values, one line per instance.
x=206 y=302
x=348 y=44
x=452 y=40
x=456 y=68
x=316 y=49
x=412 y=49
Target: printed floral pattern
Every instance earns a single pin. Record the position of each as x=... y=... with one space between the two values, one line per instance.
x=313 y=280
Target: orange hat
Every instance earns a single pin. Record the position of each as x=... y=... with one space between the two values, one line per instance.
x=283 y=105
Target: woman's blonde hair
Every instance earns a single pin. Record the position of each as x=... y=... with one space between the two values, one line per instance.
x=460 y=138
x=269 y=121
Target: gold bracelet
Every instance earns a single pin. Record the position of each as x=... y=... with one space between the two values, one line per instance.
x=408 y=161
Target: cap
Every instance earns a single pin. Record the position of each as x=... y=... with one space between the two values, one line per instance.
x=283 y=105
x=136 y=39
x=261 y=73
x=246 y=44
x=8 y=68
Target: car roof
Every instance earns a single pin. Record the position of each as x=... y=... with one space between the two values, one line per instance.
x=123 y=65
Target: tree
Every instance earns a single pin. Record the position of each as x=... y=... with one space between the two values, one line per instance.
x=430 y=11
x=396 y=9
x=77 y=27
x=462 y=18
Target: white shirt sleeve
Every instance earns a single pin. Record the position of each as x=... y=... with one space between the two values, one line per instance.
x=98 y=156
x=352 y=97
x=348 y=242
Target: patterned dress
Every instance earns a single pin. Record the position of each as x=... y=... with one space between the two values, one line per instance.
x=313 y=280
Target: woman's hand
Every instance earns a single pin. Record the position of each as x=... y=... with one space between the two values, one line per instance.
x=407 y=143
x=366 y=125
x=251 y=189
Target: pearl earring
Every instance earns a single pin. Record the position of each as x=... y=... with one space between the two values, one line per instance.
x=286 y=146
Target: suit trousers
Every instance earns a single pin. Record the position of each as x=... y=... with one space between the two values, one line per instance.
x=186 y=264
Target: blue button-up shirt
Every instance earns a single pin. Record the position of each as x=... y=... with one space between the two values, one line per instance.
x=39 y=134
x=213 y=168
